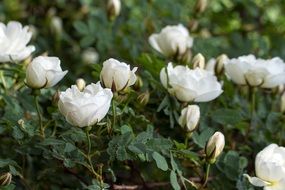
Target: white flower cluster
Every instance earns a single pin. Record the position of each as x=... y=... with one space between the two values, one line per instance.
x=248 y=70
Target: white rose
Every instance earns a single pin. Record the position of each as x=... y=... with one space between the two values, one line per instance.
x=172 y=41
x=247 y=70
x=44 y=72
x=215 y=146
x=117 y=75
x=210 y=66
x=270 y=168
x=13 y=42
x=188 y=85
x=87 y=107
x=190 y=117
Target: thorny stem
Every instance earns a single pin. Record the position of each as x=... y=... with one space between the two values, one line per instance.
x=252 y=100
x=206 y=175
x=88 y=157
x=42 y=131
x=114 y=113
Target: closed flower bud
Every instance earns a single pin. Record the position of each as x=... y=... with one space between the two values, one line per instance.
x=113 y=8
x=199 y=61
x=139 y=83
x=220 y=62
x=214 y=147
x=282 y=104
x=189 y=118
x=56 y=25
x=193 y=25
x=44 y=72
x=85 y=108
x=143 y=98
x=117 y=75
x=90 y=56
x=172 y=41
x=21 y=123
x=80 y=83
x=201 y=5
x=5 y=179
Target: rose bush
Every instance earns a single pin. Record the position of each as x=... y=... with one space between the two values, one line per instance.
x=132 y=124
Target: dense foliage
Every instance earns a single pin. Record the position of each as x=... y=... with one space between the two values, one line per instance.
x=139 y=144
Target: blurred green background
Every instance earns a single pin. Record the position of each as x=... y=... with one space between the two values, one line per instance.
x=70 y=28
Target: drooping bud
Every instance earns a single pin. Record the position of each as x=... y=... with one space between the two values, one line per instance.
x=220 y=62
x=80 y=83
x=199 y=61
x=201 y=6
x=144 y=98
x=214 y=147
x=21 y=123
x=189 y=118
x=113 y=8
x=5 y=179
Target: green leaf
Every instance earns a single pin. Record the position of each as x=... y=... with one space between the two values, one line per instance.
x=87 y=41
x=52 y=141
x=9 y=187
x=161 y=162
x=17 y=133
x=81 y=27
x=227 y=116
x=201 y=139
x=6 y=162
x=68 y=163
x=69 y=147
x=160 y=144
x=126 y=129
x=173 y=180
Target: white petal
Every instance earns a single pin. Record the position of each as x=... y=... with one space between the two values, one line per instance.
x=256 y=181
x=153 y=42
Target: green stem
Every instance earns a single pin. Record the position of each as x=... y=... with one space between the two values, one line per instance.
x=206 y=175
x=89 y=159
x=42 y=131
x=253 y=101
x=114 y=113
